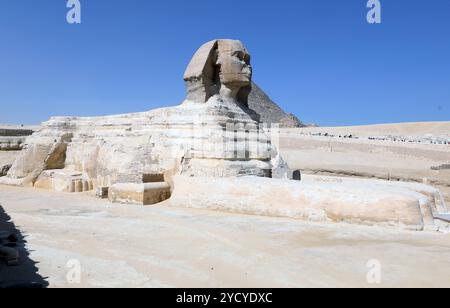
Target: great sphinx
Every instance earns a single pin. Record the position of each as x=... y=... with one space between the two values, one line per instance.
x=212 y=133
x=209 y=152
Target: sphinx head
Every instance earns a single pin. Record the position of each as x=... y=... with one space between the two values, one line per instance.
x=220 y=67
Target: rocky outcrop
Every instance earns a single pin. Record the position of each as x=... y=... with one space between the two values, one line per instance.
x=317 y=199
x=210 y=152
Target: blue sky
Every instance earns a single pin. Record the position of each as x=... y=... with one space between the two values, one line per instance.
x=319 y=59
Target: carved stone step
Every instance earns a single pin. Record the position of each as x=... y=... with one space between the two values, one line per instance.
x=141 y=194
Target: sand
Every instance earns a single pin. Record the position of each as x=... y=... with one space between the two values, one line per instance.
x=132 y=246
x=371 y=158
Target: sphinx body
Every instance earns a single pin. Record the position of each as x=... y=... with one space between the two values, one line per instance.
x=197 y=138
x=210 y=152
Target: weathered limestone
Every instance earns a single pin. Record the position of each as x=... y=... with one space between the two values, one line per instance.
x=210 y=152
x=321 y=199
x=144 y=194
x=12 y=138
x=42 y=152
x=211 y=134
x=64 y=181
x=11 y=143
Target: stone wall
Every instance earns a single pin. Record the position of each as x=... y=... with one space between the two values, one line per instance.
x=12 y=138
x=318 y=199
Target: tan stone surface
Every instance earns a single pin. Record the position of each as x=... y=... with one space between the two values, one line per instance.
x=370 y=158
x=141 y=194
x=198 y=139
x=156 y=246
x=324 y=199
x=189 y=139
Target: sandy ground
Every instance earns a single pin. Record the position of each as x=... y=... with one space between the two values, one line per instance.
x=136 y=246
x=371 y=158
x=132 y=246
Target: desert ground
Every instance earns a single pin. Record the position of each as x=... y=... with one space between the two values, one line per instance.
x=133 y=246
x=372 y=152
x=159 y=246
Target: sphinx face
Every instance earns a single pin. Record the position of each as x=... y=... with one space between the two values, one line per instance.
x=219 y=67
x=234 y=62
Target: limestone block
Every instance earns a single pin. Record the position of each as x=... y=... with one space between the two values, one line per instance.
x=43 y=151
x=219 y=67
x=64 y=181
x=141 y=194
x=207 y=148
x=11 y=143
x=214 y=125
x=280 y=169
x=199 y=74
x=367 y=202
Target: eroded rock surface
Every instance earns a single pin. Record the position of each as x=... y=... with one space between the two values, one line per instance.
x=197 y=138
x=212 y=152
x=316 y=198
x=12 y=137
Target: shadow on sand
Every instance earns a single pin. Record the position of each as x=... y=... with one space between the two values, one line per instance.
x=25 y=273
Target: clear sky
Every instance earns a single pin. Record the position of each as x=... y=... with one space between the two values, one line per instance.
x=319 y=59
